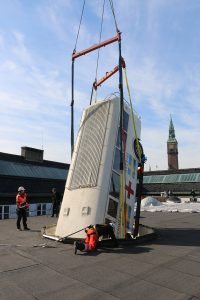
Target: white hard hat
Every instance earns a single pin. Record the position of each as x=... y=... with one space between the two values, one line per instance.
x=21 y=189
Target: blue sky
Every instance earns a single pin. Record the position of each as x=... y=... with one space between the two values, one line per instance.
x=160 y=43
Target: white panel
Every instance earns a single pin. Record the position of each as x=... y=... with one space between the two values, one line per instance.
x=92 y=136
x=87 y=189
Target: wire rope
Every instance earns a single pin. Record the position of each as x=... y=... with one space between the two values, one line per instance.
x=98 y=54
x=83 y=7
x=113 y=12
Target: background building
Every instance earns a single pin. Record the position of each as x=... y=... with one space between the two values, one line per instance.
x=179 y=181
x=36 y=175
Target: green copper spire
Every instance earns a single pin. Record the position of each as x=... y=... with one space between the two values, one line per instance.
x=172 y=137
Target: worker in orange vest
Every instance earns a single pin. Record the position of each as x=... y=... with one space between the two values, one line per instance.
x=21 y=208
x=90 y=243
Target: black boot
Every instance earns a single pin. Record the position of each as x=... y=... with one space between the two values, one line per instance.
x=26 y=228
x=80 y=246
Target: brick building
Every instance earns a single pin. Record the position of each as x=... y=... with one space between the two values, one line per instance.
x=172 y=148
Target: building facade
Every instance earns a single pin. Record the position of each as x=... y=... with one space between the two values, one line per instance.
x=179 y=182
x=36 y=175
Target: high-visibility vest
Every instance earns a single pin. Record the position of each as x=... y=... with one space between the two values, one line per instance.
x=91 y=239
x=21 y=200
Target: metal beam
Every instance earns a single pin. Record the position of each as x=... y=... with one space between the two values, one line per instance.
x=97 y=46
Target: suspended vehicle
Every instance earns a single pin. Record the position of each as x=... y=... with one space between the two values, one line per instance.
x=102 y=179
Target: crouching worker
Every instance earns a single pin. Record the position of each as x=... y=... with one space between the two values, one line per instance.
x=90 y=243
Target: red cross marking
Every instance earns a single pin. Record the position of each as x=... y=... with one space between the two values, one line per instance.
x=129 y=190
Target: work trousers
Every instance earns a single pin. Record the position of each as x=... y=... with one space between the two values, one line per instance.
x=84 y=247
x=55 y=209
x=21 y=214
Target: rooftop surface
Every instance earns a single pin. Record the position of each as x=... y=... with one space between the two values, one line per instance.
x=165 y=268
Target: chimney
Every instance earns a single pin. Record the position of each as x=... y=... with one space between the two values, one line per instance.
x=32 y=154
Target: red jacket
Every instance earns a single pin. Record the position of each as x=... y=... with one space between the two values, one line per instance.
x=91 y=239
x=21 y=200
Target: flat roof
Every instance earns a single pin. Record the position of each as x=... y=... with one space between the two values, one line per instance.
x=9 y=168
x=21 y=159
x=17 y=165
x=167 y=268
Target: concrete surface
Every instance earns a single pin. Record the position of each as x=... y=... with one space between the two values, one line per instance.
x=165 y=269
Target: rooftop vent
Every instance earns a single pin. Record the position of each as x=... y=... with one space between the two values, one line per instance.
x=32 y=154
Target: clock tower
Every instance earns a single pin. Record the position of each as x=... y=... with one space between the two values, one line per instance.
x=172 y=148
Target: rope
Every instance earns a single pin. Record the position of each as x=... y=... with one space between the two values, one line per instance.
x=132 y=114
x=79 y=25
x=72 y=110
x=72 y=83
x=113 y=12
x=91 y=95
x=121 y=204
x=124 y=157
x=121 y=143
x=98 y=54
x=102 y=16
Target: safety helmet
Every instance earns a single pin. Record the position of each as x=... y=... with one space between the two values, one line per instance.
x=21 y=189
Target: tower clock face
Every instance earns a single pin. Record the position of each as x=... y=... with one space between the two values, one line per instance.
x=172 y=148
